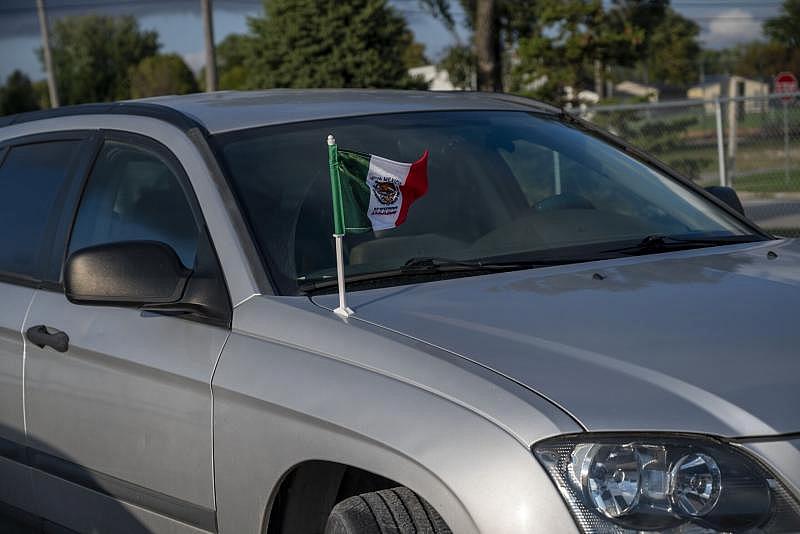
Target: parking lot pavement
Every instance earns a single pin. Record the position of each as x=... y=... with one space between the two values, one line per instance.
x=778 y=212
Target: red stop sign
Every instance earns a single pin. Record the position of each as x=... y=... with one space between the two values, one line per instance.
x=786 y=82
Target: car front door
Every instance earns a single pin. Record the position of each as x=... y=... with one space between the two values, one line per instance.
x=119 y=411
x=35 y=176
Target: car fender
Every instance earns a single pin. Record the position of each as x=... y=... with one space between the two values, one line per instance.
x=295 y=383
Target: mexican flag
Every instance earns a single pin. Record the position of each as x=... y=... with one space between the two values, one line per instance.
x=371 y=192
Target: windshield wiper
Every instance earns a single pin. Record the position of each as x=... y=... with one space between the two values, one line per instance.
x=427 y=265
x=663 y=243
x=439 y=264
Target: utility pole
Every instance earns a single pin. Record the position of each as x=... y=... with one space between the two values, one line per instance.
x=487 y=47
x=211 y=62
x=48 y=58
x=598 y=78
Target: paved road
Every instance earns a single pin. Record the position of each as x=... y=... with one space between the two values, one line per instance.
x=774 y=213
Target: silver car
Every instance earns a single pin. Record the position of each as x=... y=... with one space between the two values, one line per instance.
x=564 y=335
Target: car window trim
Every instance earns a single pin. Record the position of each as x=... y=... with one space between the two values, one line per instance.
x=38 y=280
x=176 y=167
x=57 y=230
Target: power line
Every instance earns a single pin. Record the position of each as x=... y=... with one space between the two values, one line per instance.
x=715 y=3
x=456 y=13
x=733 y=5
x=90 y=5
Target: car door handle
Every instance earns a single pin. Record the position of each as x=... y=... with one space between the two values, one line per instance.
x=41 y=336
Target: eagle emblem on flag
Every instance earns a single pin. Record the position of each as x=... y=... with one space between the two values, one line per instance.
x=386 y=190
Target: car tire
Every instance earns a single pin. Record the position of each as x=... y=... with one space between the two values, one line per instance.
x=392 y=511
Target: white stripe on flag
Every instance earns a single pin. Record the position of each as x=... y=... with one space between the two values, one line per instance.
x=384 y=179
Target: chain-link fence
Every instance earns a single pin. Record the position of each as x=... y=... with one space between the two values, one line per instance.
x=749 y=143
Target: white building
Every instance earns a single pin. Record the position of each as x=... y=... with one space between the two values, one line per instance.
x=438 y=80
x=732 y=86
x=638 y=90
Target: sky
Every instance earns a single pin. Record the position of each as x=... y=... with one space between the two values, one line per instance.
x=723 y=23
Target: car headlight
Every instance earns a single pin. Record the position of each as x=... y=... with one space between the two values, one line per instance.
x=624 y=483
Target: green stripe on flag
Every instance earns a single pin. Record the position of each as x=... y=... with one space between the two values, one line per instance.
x=349 y=190
x=336 y=190
x=354 y=168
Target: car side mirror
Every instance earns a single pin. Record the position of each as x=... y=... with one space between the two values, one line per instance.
x=129 y=273
x=728 y=196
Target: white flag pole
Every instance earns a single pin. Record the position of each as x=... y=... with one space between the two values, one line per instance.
x=338 y=214
x=343 y=310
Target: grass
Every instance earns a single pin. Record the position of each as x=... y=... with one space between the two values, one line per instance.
x=768 y=182
x=694 y=151
x=752 y=158
x=771 y=119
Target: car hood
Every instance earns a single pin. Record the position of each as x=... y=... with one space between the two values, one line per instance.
x=704 y=340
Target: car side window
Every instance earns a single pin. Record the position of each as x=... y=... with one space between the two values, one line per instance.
x=133 y=194
x=32 y=178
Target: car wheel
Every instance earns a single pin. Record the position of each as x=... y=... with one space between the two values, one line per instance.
x=391 y=511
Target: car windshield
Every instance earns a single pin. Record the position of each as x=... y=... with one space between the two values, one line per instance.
x=504 y=186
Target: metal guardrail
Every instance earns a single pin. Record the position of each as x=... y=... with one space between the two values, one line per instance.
x=751 y=143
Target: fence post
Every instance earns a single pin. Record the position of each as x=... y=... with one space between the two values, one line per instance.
x=720 y=142
x=733 y=140
x=786 y=141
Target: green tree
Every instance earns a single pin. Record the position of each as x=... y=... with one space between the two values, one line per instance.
x=17 y=95
x=505 y=30
x=785 y=28
x=639 y=18
x=763 y=60
x=577 y=43
x=414 y=53
x=162 y=74
x=327 y=43
x=93 y=55
x=673 y=50
x=231 y=55
x=459 y=62
x=497 y=27
x=760 y=59
x=665 y=44
x=574 y=38
x=719 y=61
x=41 y=93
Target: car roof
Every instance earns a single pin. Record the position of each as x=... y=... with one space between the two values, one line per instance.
x=224 y=111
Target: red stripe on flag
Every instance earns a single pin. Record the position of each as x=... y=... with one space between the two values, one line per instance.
x=415 y=186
